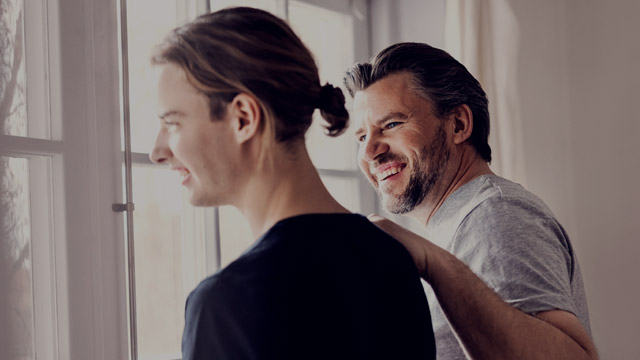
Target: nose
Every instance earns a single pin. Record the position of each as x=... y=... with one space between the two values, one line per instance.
x=161 y=151
x=373 y=147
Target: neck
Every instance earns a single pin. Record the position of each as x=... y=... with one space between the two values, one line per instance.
x=468 y=167
x=290 y=186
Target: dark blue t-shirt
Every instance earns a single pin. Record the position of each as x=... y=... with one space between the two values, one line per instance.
x=318 y=286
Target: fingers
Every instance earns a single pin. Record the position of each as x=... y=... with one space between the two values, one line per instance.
x=375 y=217
x=384 y=224
x=414 y=243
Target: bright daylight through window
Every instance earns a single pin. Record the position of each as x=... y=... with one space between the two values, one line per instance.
x=177 y=245
x=25 y=178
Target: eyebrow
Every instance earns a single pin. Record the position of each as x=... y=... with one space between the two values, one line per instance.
x=392 y=115
x=170 y=113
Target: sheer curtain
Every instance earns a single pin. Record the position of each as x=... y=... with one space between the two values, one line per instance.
x=483 y=35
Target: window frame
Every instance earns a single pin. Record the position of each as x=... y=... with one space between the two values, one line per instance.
x=85 y=248
x=72 y=79
x=212 y=219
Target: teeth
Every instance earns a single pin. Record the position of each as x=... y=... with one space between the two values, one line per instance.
x=390 y=171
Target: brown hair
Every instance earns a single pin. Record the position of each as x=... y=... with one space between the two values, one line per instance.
x=437 y=76
x=246 y=50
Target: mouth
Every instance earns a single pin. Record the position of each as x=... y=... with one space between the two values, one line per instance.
x=389 y=172
x=184 y=174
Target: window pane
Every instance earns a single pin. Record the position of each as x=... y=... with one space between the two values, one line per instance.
x=24 y=103
x=329 y=36
x=169 y=259
x=235 y=234
x=16 y=301
x=345 y=190
x=13 y=95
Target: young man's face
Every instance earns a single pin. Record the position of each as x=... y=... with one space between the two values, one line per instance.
x=403 y=145
x=190 y=142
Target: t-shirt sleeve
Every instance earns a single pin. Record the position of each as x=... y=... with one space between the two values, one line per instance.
x=520 y=251
x=211 y=329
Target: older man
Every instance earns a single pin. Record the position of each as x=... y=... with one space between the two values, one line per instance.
x=504 y=275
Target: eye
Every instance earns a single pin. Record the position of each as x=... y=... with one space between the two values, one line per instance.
x=169 y=123
x=391 y=125
x=362 y=138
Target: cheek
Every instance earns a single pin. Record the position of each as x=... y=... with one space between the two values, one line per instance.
x=364 y=166
x=174 y=143
x=183 y=145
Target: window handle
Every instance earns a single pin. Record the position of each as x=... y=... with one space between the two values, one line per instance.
x=123 y=207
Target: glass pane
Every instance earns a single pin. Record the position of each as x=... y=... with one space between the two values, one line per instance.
x=235 y=234
x=345 y=190
x=329 y=36
x=13 y=92
x=167 y=14
x=169 y=259
x=16 y=300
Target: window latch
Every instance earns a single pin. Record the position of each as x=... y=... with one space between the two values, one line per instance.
x=123 y=207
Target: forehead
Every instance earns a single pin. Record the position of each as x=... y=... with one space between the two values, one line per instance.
x=175 y=92
x=392 y=94
x=170 y=76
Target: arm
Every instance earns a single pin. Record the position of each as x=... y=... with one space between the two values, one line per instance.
x=488 y=327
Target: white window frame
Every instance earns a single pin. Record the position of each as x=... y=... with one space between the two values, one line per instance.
x=212 y=232
x=84 y=312
x=72 y=72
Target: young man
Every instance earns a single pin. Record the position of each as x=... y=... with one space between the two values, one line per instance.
x=237 y=91
x=422 y=123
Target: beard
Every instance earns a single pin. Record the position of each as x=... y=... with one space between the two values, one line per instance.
x=424 y=178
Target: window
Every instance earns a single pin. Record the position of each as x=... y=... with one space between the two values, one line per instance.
x=62 y=251
x=27 y=155
x=191 y=243
x=170 y=236
x=330 y=30
x=60 y=242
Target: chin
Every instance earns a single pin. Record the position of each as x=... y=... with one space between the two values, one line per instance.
x=395 y=206
x=199 y=201
x=204 y=200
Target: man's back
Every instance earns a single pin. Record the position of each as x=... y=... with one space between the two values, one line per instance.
x=314 y=286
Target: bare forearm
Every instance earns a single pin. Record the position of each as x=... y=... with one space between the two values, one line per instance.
x=488 y=327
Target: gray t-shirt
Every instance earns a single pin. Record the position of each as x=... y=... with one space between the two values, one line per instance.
x=512 y=241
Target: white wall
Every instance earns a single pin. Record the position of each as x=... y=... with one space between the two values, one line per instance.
x=406 y=20
x=579 y=85
x=605 y=91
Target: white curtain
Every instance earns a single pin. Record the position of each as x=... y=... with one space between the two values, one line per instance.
x=483 y=35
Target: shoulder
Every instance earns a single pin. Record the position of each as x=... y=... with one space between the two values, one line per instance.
x=208 y=295
x=510 y=225
x=327 y=230
x=492 y=205
x=335 y=240
x=511 y=220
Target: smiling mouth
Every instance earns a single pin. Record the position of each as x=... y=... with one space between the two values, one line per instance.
x=185 y=175
x=393 y=170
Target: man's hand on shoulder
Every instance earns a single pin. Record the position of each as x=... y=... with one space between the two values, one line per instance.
x=488 y=327
x=417 y=246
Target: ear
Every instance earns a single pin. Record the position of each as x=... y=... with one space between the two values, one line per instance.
x=462 y=124
x=246 y=117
